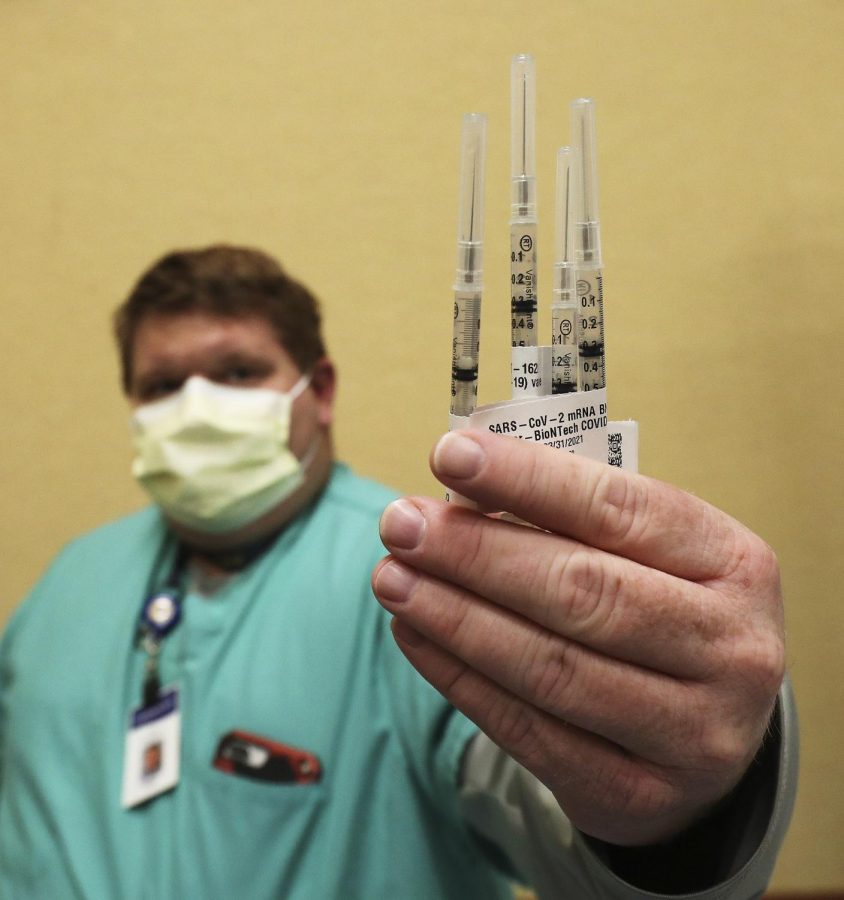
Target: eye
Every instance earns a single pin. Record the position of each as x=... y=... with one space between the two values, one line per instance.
x=236 y=375
x=240 y=375
x=158 y=389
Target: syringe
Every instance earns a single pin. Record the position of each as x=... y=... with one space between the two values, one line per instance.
x=468 y=285
x=523 y=201
x=587 y=249
x=564 y=303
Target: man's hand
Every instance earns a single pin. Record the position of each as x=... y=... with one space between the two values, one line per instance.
x=628 y=650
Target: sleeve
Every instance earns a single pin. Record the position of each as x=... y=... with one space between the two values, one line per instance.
x=507 y=806
x=6 y=676
x=48 y=586
x=4 y=683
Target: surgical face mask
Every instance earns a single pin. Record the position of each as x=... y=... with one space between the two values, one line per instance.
x=216 y=458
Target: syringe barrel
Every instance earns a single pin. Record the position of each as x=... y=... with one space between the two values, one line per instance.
x=468 y=283
x=465 y=350
x=523 y=137
x=587 y=234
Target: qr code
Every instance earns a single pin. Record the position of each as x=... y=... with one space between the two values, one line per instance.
x=615 y=454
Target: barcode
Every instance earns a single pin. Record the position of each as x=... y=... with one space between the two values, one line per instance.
x=615 y=454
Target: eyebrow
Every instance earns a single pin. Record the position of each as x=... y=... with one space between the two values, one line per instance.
x=241 y=357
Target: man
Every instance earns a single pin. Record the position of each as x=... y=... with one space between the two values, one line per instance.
x=628 y=653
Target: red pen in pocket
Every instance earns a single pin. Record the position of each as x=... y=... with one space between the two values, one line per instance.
x=241 y=753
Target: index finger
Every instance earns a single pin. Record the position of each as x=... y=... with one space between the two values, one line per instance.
x=627 y=514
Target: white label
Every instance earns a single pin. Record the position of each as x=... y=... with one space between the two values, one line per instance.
x=573 y=422
x=576 y=423
x=530 y=371
x=151 y=758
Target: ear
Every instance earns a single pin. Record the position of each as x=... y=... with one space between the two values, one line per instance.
x=324 y=386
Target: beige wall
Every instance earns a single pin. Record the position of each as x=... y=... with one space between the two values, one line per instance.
x=328 y=134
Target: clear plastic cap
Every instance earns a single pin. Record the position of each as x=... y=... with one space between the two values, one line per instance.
x=470 y=222
x=588 y=241
x=523 y=133
x=564 y=227
x=563 y=218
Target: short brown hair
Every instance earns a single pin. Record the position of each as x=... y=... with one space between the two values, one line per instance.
x=223 y=280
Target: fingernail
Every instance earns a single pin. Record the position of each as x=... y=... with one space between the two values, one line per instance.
x=402 y=525
x=394 y=582
x=458 y=456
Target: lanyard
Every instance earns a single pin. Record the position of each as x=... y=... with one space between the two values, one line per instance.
x=160 y=614
x=162 y=610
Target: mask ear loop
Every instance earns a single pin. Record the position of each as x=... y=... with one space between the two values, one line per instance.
x=297 y=389
x=301 y=385
x=310 y=454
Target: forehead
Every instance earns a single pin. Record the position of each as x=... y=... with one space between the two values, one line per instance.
x=199 y=337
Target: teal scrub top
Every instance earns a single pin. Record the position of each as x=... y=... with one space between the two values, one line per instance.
x=294 y=649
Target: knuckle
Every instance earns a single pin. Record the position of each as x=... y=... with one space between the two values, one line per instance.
x=580 y=590
x=765 y=573
x=529 y=479
x=767 y=562
x=721 y=748
x=755 y=566
x=772 y=667
x=722 y=731
x=619 y=505
x=551 y=672
x=515 y=727
x=724 y=738
x=467 y=552
x=755 y=646
x=760 y=662
x=453 y=626
x=452 y=680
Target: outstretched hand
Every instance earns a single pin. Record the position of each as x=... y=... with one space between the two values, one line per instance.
x=627 y=650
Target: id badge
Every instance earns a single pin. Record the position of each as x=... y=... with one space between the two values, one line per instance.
x=153 y=747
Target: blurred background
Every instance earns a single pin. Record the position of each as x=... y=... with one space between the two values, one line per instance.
x=328 y=134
